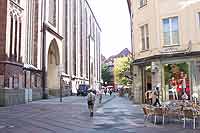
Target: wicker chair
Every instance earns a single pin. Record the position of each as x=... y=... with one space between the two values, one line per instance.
x=147 y=112
x=160 y=112
x=190 y=114
x=175 y=112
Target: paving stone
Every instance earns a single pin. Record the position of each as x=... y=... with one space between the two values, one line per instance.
x=115 y=115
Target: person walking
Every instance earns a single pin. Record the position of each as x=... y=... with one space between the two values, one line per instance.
x=156 y=94
x=100 y=95
x=91 y=101
x=110 y=91
x=105 y=90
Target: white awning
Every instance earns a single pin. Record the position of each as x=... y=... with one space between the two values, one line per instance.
x=64 y=74
x=66 y=79
x=29 y=66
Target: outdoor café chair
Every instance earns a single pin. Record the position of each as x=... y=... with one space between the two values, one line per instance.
x=175 y=112
x=190 y=114
x=147 y=112
x=160 y=111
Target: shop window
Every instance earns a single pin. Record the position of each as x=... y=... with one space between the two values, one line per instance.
x=145 y=36
x=143 y=3
x=52 y=12
x=171 y=31
x=177 y=81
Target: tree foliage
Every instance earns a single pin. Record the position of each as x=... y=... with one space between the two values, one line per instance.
x=106 y=76
x=122 y=67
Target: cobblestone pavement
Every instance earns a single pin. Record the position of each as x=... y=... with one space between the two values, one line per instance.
x=115 y=115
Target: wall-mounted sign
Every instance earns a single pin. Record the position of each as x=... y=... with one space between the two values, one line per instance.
x=169 y=50
x=176 y=49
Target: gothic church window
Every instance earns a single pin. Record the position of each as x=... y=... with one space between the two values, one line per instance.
x=52 y=12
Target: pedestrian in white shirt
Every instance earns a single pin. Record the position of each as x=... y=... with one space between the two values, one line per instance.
x=101 y=91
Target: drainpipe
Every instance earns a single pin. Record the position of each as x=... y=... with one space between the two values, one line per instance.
x=132 y=50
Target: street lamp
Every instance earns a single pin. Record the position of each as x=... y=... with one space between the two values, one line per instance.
x=61 y=91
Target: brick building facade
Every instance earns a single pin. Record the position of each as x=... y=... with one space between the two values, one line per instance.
x=39 y=48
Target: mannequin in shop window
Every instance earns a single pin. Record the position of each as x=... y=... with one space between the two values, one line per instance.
x=182 y=85
x=187 y=90
x=183 y=81
x=173 y=86
x=179 y=89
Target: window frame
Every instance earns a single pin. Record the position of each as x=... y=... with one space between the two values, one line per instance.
x=17 y=1
x=144 y=37
x=142 y=3
x=171 y=31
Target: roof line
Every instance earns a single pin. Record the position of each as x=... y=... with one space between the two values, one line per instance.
x=93 y=15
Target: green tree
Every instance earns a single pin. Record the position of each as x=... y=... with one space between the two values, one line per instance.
x=106 y=76
x=121 y=69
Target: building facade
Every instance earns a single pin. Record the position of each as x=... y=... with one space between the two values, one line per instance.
x=166 y=47
x=47 y=45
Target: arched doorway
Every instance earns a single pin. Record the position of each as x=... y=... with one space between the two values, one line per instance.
x=52 y=68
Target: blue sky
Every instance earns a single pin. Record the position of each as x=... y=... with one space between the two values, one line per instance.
x=113 y=17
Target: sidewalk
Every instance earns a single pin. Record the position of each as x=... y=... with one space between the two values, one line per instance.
x=49 y=116
x=115 y=114
x=71 y=99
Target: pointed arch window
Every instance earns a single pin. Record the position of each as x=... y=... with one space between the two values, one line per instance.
x=11 y=35
x=74 y=38
x=19 y=48
x=143 y=3
x=52 y=12
x=15 y=43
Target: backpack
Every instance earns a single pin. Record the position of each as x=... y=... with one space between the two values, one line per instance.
x=90 y=102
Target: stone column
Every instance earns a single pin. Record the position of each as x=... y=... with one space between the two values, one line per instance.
x=137 y=84
x=156 y=69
